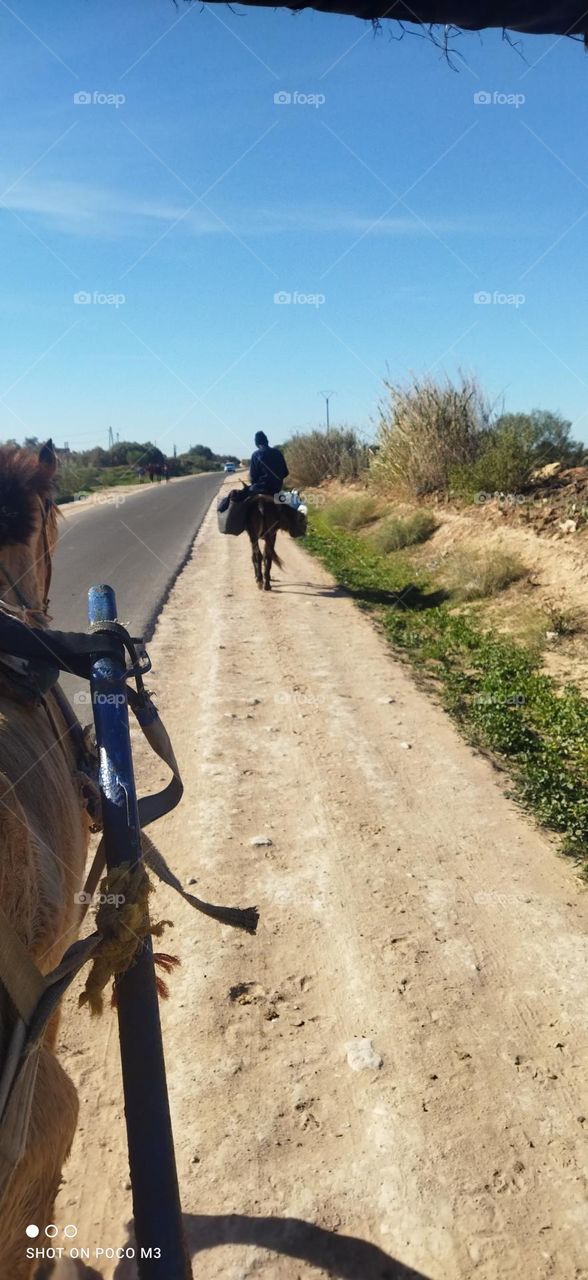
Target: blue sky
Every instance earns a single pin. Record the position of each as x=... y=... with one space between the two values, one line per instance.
x=181 y=198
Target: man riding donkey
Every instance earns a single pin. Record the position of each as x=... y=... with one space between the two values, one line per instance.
x=258 y=508
x=267 y=471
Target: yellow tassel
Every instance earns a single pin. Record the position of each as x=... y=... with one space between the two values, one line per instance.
x=123 y=920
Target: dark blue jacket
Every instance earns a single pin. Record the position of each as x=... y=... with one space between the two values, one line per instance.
x=268 y=469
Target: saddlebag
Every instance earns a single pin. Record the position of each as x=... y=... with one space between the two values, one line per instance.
x=231 y=516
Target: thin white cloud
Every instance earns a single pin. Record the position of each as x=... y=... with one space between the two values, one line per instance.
x=346 y=220
x=82 y=209
x=87 y=210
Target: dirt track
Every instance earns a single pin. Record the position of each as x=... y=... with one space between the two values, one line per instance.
x=404 y=902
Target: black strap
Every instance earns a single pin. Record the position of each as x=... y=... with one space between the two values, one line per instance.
x=72 y=651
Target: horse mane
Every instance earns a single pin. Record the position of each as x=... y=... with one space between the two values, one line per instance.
x=25 y=476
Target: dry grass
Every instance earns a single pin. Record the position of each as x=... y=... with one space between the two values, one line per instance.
x=561 y=620
x=394 y=533
x=351 y=513
x=477 y=575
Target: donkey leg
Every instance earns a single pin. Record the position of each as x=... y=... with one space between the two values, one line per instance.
x=269 y=544
x=31 y=1192
x=256 y=557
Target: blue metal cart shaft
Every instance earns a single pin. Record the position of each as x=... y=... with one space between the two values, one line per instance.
x=161 y=1252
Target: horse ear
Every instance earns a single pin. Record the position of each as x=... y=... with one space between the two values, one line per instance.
x=48 y=460
x=17 y=521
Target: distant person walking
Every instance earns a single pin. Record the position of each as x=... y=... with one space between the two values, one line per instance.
x=151 y=470
x=166 y=471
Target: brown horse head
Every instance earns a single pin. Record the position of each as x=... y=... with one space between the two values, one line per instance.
x=28 y=525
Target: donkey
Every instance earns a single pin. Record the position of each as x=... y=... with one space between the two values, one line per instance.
x=44 y=832
x=263 y=519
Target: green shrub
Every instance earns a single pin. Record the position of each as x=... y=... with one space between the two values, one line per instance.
x=512 y=450
x=394 y=533
x=75 y=478
x=549 y=435
x=505 y=464
x=317 y=456
x=474 y=575
x=426 y=429
x=351 y=513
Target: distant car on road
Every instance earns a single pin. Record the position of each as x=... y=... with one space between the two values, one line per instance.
x=229 y=467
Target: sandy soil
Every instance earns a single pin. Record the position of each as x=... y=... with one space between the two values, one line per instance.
x=558 y=576
x=561 y=566
x=394 y=1070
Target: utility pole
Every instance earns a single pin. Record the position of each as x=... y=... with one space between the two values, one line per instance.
x=326 y=397
x=110 y=438
x=175 y=451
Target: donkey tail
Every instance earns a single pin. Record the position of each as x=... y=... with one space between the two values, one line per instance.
x=276 y=558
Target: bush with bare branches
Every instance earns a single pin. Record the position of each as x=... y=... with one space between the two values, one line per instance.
x=315 y=456
x=426 y=428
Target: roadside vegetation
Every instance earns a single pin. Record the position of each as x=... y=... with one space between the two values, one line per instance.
x=471 y=575
x=466 y=616
x=88 y=471
x=351 y=513
x=439 y=439
x=445 y=439
x=395 y=532
x=426 y=429
x=493 y=686
x=316 y=456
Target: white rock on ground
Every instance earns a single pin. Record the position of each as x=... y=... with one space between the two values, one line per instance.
x=362 y=1056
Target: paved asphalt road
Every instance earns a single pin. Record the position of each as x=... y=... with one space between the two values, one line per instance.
x=137 y=546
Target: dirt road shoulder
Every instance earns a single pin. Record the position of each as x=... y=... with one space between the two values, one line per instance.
x=399 y=1057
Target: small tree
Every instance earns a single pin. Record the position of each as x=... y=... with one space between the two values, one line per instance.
x=202 y=450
